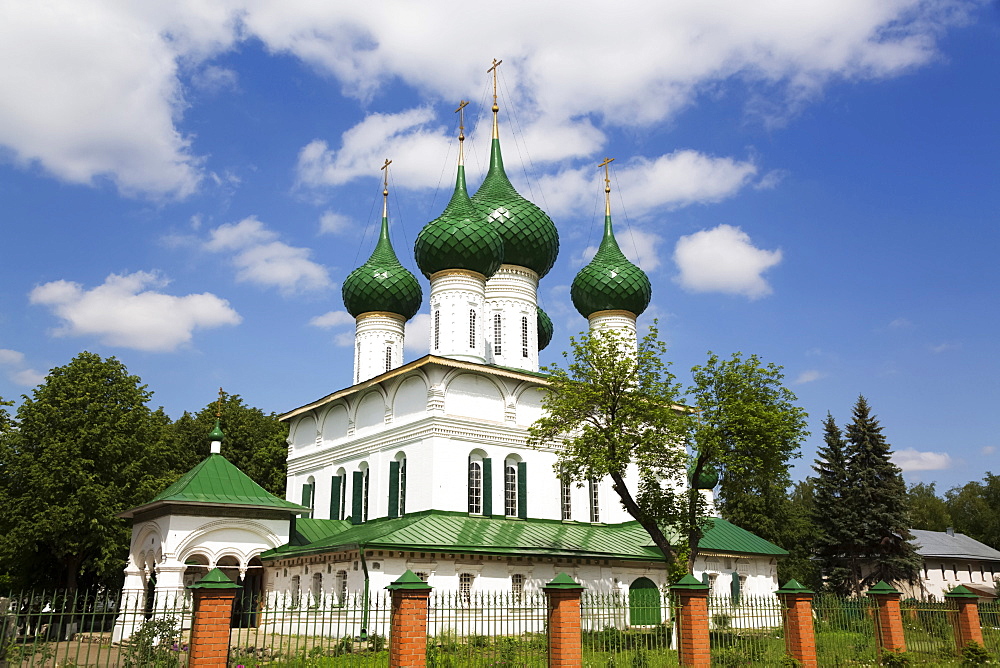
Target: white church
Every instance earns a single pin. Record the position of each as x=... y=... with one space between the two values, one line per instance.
x=426 y=465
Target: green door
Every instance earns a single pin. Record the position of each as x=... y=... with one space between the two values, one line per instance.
x=643 y=603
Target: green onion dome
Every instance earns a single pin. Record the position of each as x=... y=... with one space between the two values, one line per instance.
x=610 y=282
x=530 y=238
x=216 y=433
x=708 y=479
x=460 y=238
x=544 y=329
x=382 y=283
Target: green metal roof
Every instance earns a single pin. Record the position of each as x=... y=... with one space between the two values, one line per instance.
x=441 y=531
x=460 y=238
x=382 y=283
x=217 y=482
x=610 y=281
x=530 y=238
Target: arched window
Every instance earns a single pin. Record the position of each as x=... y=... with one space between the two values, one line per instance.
x=517 y=586
x=524 y=336
x=566 y=497
x=437 y=330
x=497 y=334
x=475 y=486
x=595 y=501
x=397 y=486
x=515 y=487
x=472 y=328
x=465 y=587
x=309 y=494
x=338 y=495
x=296 y=592
x=316 y=591
x=341 y=587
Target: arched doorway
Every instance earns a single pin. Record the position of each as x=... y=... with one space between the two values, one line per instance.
x=247 y=606
x=643 y=603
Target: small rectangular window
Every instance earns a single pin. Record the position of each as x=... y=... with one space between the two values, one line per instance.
x=595 y=502
x=497 y=334
x=565 y=491
x=517 y=586
x=472 y=328
x=524 y=336
x=465 y=587
x=437 y=330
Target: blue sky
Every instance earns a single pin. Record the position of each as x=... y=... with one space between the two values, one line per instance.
x=185 y=187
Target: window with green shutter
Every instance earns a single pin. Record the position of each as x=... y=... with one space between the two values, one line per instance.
x=307 y=495
x=357 y=489
x=336 y=498
x=487 y=486
x=393 y=489
x=522 y=490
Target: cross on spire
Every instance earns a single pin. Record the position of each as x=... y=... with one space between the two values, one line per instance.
x=218 y=405
x=385 y=188
x=607 y=185
x=496 y=64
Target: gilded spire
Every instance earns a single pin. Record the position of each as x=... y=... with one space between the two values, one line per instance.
x=607 y=185
x=461 y=132
x=496 y=107
x=215 y=436
x=382 y=283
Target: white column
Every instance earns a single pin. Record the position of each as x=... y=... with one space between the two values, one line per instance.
x=621 y=322
x=131 y=605
x=458 y=298
x=512 y=294
x=378 y=344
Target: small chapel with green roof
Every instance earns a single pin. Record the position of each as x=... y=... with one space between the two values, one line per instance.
x=425 y=465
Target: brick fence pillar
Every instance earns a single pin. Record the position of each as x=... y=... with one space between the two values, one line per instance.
x=565 y=642
x=692 y=623
x=408 y=621
x=213 y=614
x=966 y=616
x=889 y=619
x=800 y=636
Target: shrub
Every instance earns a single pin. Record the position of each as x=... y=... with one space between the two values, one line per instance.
x=154 y=645
x=974 y=654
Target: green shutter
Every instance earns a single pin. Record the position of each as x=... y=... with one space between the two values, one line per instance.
x=307 y=495
x=735 y=587
x=393 y=489
x=487 y=486
x=357 y=501
x=335 y=498
x=522 y=490
x=704 y=578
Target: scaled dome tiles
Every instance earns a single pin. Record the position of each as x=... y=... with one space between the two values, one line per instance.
x=460 y=238
x=382 y=283
x=530 y=238
x=610 y=282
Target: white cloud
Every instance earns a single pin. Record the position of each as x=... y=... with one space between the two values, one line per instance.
x=723 y=259
x=17 y=370
x=406 y=138
x=900 y=323
x=673 y=180
x=125 y=311
x=94 y=88
x=332 y=319
x=808 y=376
x=260 y=258
x=417 y=334
x=945 y=347
x=988 y=449
x=332 y=222
x=215 y=79
x=914 y=460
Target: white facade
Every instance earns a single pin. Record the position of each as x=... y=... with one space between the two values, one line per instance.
x=458 y=298
x=378 y=344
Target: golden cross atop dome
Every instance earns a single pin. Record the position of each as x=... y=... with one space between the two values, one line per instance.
x=607 y=185
x=218 y=405
x=496 y=64
x=385 y=188
x=461 y=119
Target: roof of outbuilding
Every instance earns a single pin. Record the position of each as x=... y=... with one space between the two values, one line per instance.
x=458 y=532
x=959 y=546
x=217 y=482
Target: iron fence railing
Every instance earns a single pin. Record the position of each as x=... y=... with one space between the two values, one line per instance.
x=105 y=628
x=634 y=629
x=845 y=630
x=989 y=620
x=486 y=629
x=928 y=631
x=279 y=630
x=746 y=631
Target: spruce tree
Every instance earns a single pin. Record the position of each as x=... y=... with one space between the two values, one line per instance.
x=880 y=519
x=832 y=513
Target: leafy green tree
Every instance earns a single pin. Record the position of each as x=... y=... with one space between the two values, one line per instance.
x=86 y=447
x=833 y=511
x=747 y=427
x=798 y=538
x=881 y=518
x=928 y=511
x=255 y=441
x=616 y=410
x=973 y=507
